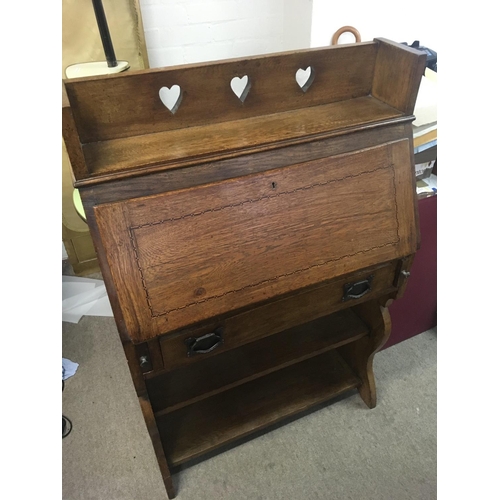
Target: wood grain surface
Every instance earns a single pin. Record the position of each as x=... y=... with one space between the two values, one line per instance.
x=398 y=73
x=257 y=236
x=249 y=214
x=276 y=316
x=172 y=148
x=129 y=103
x=213 y=422
x=174 y=390
x=122 y=185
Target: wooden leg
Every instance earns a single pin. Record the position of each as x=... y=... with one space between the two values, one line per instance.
x=149 y=417
x=359 y=355
x=157 y=445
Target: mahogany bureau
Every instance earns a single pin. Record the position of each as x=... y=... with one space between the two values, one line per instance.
x=253 y=218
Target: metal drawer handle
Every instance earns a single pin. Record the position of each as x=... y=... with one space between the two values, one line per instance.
x=358 y=289
x=204 y=344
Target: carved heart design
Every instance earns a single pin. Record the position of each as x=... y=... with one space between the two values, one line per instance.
x=241 y=87
x=171 y=97
x=305 y=77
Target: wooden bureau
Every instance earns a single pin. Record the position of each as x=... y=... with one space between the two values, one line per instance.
x=253 y=219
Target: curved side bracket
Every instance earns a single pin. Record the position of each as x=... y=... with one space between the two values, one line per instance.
x=359 y=355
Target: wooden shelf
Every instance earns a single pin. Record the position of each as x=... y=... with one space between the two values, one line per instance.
x=174 y=390
x=202 y=427
x=170 y=147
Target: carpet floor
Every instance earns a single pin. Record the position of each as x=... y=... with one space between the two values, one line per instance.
x=343 y=451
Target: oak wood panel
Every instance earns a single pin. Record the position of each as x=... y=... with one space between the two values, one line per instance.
x=154 y=210
x=181 y=387
x=405 y=192
x=71 y=139
x=402 y=275
x=128 y=104
x=211 y=140
x=409 y=134
x=360 y=357
x=155 y=354
x=397 y=76
x=124 y=271
x=276 y=316
x=152 y=428
x=251 y=245
x=89 y=202
x=149 y=418
x=204 y=426
x=357 y=202
x=207 y=171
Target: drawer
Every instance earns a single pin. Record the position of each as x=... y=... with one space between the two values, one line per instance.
x=183 y=257
x=198 y=343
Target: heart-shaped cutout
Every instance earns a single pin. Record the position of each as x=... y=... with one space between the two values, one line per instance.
x=171 y=97
x=304 y=78
x=241 y=87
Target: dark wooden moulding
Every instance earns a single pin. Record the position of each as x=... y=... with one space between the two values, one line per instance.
x=250 y=244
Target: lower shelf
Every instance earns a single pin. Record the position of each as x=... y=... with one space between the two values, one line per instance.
x=202 y=427
x=205 y=378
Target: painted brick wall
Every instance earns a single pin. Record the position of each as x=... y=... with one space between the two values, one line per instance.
x=188 y=31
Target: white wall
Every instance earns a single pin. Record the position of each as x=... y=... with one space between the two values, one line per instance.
x=187 y=31
x=297 y=20
x=392 y=19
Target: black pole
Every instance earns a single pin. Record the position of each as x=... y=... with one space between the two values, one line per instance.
x=104 y=31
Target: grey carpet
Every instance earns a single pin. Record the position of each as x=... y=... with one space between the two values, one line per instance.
x=343 y=451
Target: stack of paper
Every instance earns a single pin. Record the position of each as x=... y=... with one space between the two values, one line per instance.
x=427 y=186
x=83 y=296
